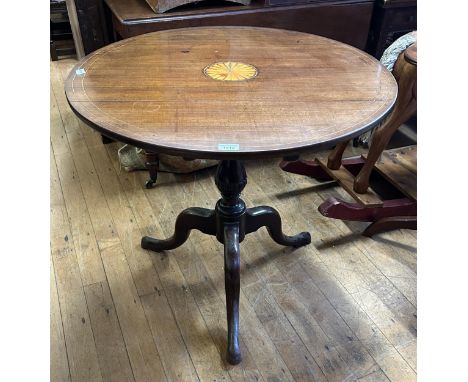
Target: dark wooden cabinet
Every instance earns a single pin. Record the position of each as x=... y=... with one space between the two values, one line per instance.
x=391 y=19
x=366 y=24
x=94 y=24
x=346 y=20
x=61 y=37
x=104 y=21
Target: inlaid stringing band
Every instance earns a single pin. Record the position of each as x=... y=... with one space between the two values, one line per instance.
x=230 y=71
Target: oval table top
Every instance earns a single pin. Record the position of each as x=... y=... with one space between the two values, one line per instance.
x=230 y=92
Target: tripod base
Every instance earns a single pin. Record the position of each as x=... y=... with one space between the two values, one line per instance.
x=230 y=221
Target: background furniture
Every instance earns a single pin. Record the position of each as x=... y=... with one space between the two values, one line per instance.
x=344 y=20
x=272 y=94
x=161 y=6
x=367 y=24
x=384 y=207
x=94 y=24
x=61 y=37
x=391 y=19
x=102 y=22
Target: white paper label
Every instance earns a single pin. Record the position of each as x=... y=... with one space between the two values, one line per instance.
x=228 y=146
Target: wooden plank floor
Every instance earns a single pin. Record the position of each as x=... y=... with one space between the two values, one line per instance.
x=340 y=309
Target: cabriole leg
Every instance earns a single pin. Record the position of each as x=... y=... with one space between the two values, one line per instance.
x=268 y=217
x=232 y=285
x=202 y=219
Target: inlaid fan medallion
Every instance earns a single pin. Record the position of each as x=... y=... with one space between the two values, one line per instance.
x=230 y=71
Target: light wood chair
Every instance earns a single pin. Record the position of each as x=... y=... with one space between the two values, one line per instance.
x=385 y=210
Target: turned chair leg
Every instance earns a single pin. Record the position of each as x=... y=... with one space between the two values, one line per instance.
x=405 y=107
x=380 y=140
x=334 y=159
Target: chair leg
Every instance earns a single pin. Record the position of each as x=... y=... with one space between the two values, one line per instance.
x=334 y=159
x=405 y=107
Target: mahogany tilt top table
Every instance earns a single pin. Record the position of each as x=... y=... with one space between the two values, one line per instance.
x=230 y=93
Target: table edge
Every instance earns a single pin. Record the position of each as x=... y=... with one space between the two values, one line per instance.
x=244 y=155
x=206 y=154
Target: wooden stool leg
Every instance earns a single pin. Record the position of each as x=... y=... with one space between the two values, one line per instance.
x=334 y=159
x=152 y=164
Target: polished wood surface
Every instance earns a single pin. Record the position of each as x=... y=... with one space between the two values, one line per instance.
x=310 y=92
